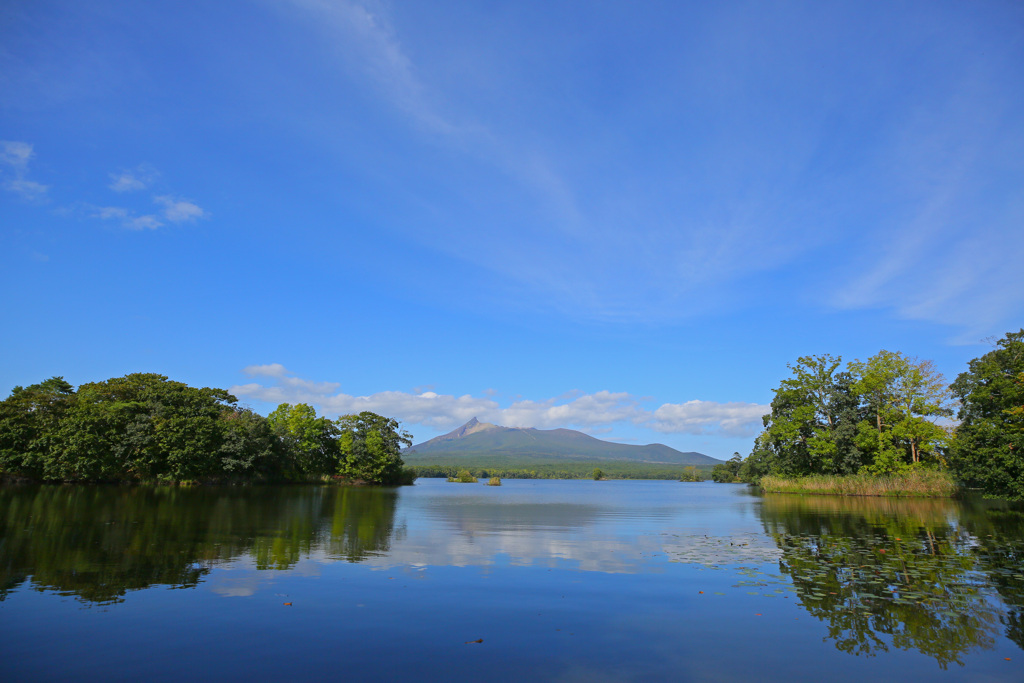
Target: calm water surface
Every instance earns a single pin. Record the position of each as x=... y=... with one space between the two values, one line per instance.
x=561 y=580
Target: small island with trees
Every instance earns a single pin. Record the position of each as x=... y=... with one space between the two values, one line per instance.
x=145 y=428
x=885 y=427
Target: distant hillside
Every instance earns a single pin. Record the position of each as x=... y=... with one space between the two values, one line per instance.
x=476 y=439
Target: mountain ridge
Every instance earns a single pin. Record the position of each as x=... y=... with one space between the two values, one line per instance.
x=477 y=439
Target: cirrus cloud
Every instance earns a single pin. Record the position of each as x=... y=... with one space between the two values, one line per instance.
x=15 y=156
x=179 y=210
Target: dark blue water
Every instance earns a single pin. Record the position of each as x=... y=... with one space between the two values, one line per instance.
x=560 y=580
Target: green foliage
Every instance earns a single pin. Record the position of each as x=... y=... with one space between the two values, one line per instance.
x=144 y=427
x=29 y=420
x=598 y=475
x=251 y=447
x=988 y=448
x=140 y=426
x=311 y=442
x=878 y=417
x=691 y=473
x=903 y=396
x=813 y=422
x=728 y=472
x=494 y=481
x=463 y=477
x=370 y=447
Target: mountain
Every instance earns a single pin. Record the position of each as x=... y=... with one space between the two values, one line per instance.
x=476 y=439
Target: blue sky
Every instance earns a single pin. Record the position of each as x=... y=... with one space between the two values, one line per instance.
x=625 y=218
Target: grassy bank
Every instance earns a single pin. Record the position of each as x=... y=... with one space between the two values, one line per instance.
x=919 y=483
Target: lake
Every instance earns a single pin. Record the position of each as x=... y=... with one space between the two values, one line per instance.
x=533 y=580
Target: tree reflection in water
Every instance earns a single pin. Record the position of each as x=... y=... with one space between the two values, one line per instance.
x=97 y=542
x=923 y=575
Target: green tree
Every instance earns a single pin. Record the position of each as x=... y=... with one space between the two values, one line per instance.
x=250 y=447
x=370 y=448
x=29 y=420
x=691 y=473
x=905 y=397
x=597 y=475
x=812 y=425
x=140 y=426
x=728 y=471
x=988 y=448
x=463 y=477
x=310 y=442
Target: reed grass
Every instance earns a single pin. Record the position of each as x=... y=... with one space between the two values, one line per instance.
x=916 y=483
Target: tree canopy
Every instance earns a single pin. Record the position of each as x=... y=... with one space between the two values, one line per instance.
x=879 y=416
x=988 y=451
x=145 y=427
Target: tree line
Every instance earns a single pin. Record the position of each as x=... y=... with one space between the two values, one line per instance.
x=512 y=469
x=892 y=414
x=144 y=427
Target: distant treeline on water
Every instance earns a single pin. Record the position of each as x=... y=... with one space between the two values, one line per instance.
x=145 y=428
x=560 y=470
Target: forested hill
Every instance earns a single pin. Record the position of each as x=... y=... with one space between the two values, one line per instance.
x=476 y=439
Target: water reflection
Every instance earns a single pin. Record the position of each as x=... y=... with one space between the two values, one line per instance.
x=98 y=543
x=626 y=528
x=927 y=575
x=942 y=578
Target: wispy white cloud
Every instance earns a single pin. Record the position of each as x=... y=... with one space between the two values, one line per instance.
x=16 y=157
x=172 y=210
x=592 y=412
x=366 y=40
x=144 y=222
x=951 y=250
x=29 y=189
x=16 y=154
x=179 y=210
x=289 y=382
x=131 y=180
x=126 y=217
x=125 y=182
x=623 y=250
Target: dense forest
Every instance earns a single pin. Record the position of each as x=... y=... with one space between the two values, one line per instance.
x=143 y=427
x=893 y=414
